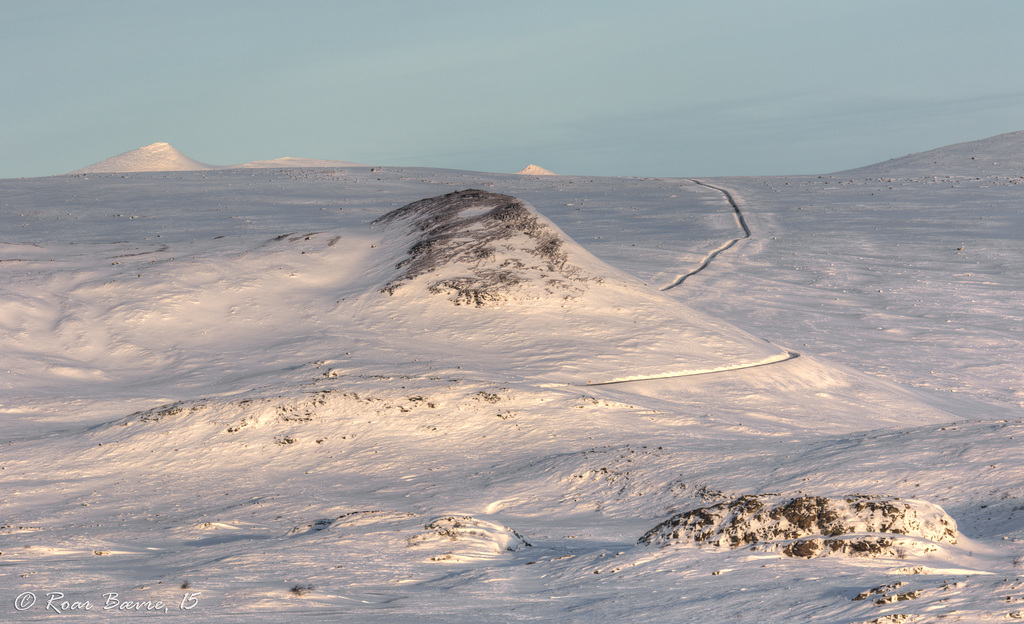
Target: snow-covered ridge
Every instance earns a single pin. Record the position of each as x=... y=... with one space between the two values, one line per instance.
x=290 y=162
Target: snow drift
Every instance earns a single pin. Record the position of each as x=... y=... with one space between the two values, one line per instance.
x=462 y=538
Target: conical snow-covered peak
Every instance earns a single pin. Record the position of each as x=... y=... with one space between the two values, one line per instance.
x=535 y=170
x=154 y=157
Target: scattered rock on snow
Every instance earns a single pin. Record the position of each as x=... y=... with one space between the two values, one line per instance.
x=312 y=527
x=885 y=594
x=351 y=519
x=809 y=526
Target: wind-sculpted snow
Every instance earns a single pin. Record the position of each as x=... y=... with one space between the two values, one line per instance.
x=461 y=538
x=809 y=526
x=480 y=248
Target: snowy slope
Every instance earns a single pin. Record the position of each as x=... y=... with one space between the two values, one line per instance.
x=330 y=394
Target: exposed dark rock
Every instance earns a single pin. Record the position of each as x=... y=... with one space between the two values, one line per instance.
x=482 y=247
x=351 y=519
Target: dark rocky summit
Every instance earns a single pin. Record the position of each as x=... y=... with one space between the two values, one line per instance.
x=481 y=248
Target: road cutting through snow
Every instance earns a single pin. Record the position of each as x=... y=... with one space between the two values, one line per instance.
x=740 y=221
x=782 y=357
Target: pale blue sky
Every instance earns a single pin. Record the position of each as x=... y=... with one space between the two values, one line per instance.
x=645 y=88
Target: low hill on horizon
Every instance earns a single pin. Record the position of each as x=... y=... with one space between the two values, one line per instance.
x=1001 y=154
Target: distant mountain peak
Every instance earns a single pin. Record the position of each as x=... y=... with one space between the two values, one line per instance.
x=535 y=170
x=152 y=157
x=164 y=157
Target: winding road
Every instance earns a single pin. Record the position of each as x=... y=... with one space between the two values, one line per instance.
x=787 y=356
x=740 y=221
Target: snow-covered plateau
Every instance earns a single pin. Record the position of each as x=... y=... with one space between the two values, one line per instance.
x=316 y=391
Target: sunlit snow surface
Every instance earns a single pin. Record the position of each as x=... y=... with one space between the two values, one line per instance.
x=204 y=379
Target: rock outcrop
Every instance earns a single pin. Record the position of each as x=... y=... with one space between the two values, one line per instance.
x=810 y=526
x=479 y=248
